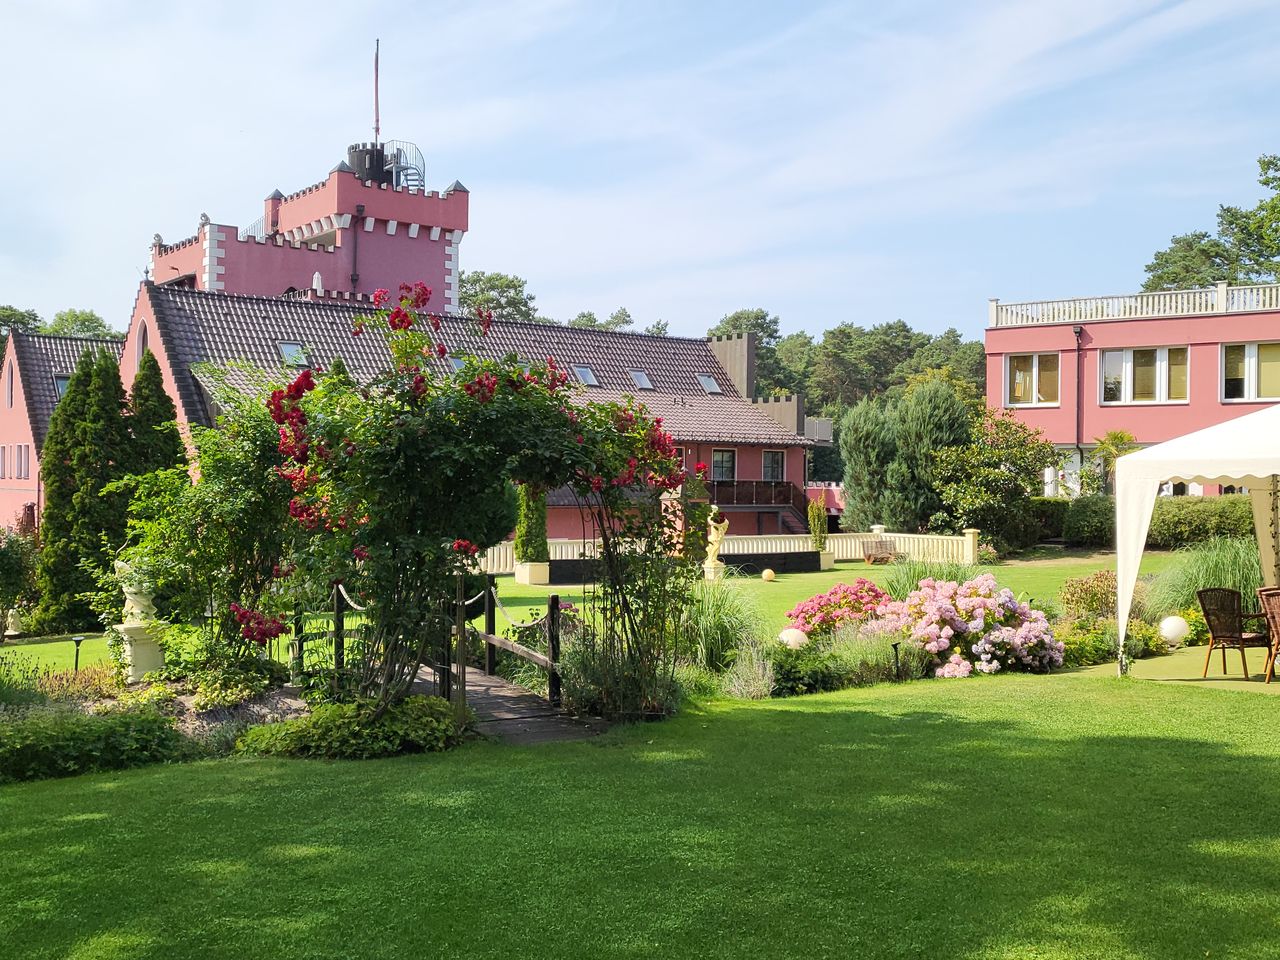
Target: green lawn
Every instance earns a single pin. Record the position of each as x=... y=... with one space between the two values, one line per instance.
x=1039 y=577
x=59 y=653
x=1007 y=817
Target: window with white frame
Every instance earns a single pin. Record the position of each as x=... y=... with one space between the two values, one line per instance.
x=1032 y=378
x=585 y=374
x=773 y=465
x=1144 y=375
x=724 y=464
x=1251 y=371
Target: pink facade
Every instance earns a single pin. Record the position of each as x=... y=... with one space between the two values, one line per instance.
x=1155 y=365
x=356 y=235
x=19 y=461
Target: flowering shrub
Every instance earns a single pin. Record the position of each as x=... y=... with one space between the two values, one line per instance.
x=844 y=603
x=975 y=621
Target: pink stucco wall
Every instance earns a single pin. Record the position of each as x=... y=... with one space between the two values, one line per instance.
x=342 y=191
x=142 y=324
x=1149 y=423
x=15 y=432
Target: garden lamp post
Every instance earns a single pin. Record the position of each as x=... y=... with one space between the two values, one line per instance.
x=897 y=670
x=77 y=641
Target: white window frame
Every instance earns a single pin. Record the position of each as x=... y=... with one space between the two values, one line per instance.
x=714 y=451
x=637 y=376
x=292 y=348
x=781 y=453
x=705 y=378
x=1035 y=379
x=1126 y=377
x=1250 y=372
x=590 y=379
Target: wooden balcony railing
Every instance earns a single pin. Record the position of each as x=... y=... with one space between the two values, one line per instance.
x=757 y=493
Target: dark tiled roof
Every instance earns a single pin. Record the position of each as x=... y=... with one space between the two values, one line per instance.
x=42 y=357
x=198 y=326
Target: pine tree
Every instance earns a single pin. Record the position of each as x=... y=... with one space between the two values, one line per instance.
x=152 y=420
x=59 y=577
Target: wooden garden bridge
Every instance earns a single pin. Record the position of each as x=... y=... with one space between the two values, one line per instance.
x=503 y=710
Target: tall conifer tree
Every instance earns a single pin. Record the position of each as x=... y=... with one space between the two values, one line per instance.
x=102 y=455
x=59 y=576
x=152 y=420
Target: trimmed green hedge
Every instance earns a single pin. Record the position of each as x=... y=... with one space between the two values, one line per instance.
x=47 y=741
x=1050 y=514
x=1090 y=522
x=1179 y=521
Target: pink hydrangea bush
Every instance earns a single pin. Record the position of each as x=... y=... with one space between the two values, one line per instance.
x=977 y=622
x=845 y=603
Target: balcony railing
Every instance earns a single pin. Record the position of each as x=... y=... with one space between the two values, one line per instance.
x=757 y=493
x=1202 y=301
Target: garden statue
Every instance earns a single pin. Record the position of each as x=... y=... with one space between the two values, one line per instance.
x=139 y=596
x=713 y=567
x=142 y=654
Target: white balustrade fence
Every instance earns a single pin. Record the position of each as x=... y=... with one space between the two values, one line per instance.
x=1130 y=306
x=846 y=546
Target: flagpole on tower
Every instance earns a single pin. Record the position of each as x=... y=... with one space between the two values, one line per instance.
x=377 y=131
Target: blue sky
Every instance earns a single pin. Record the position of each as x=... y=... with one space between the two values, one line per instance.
x=831 y=162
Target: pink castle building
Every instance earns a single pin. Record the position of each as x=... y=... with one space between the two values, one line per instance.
x=369 y=224
x=1158 y=365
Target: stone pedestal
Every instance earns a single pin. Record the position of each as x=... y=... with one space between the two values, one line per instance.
x=141 y=652
x=713 y=570
x=826 y=560
x=533 y=574
x=14 y=627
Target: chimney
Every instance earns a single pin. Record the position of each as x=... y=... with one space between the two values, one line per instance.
x=737 y=355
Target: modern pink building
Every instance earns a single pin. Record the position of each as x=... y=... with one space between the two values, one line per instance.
x=35 y=372
x=369 y=224
x=1158 y=365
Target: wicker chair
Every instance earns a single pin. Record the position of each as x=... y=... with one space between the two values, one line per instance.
x=1269 y=600
x=1225 y=616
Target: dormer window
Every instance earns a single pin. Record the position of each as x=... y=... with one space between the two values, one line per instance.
x=457 y=363
x=586 y=375
x=293 y=354
x=709 y=383
x=641 y=380
x=60 y=381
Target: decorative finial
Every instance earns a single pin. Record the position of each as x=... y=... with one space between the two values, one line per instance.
x=204 y=220
x=157 y=240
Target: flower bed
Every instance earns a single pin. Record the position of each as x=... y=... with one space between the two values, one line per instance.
x=845 y=603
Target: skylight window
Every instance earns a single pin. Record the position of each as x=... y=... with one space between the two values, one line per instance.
x=458 y=363
x=60 y=381
x=586 y=375
x=709 y=383
x=641 y=380
x=293 y=354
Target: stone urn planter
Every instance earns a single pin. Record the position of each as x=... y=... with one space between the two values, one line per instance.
x=533 y=573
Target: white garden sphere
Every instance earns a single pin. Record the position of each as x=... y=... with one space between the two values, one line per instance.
x=767 y=575
x=793 y=638
x=1174 y=630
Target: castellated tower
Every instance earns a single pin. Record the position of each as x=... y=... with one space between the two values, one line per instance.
x=371 y=223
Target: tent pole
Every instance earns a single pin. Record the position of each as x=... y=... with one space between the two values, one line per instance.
x=1275 y=527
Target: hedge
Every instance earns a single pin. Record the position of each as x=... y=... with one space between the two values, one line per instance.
x=1050 y=514
x=1175 y=522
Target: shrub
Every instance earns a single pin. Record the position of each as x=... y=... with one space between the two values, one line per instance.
x=348 y=731
x=54 y=741
x=843 y=604
x=977 y=620
x=1181 y=521
x=697 y=682
x=1199 y=635
x=530 y=544
x=1091 y=596
x=857 y=655
x=716 y=622
x=904 y=576
x=19 y=680
x=750 y=675
x=1223 y=562
x=817 y=517
x=95 y=682
x=1087 y=641
x=1050 y=515
x=1090 y=522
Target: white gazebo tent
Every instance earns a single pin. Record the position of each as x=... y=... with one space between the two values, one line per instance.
x=1244 y=452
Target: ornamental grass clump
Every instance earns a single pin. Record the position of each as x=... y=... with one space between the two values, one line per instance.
x=978 y=622
x=843 y=604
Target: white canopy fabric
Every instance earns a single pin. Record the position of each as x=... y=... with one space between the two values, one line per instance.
x=1241 y=452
